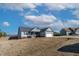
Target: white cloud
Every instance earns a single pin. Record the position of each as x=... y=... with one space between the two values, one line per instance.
x=46 y=19
x=61 y=6
x=58 y=25
x=71 y=23
x=52 y=6
x=19 y=6
x=6 y=23
x=76 y=13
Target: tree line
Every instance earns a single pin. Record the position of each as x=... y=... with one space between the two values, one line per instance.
x=2 y=33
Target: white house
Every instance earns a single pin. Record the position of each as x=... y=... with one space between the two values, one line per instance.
x=34 y=32
x=46 y=32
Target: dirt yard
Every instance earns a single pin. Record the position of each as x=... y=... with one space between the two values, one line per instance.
x=56 y=46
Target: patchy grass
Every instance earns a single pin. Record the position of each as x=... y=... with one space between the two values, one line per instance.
x=34 y=46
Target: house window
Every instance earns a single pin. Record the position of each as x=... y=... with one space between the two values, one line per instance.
x=24 y=33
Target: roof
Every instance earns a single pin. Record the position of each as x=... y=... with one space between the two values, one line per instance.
x=35 y=29
x=25 y=29
x=44 y=29
x=76 y=28
x=67 y=29
x=71 y=29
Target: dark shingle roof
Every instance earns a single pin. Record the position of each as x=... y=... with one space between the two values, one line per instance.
x=25 y=29
x=69 y=29
x=77 y=28
x=44 y=29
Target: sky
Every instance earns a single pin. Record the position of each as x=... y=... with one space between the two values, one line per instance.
x=54 y=15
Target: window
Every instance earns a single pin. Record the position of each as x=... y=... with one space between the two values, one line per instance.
x=24 y=33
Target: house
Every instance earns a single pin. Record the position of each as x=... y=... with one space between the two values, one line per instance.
x=77 y=31
x=67 y=31
x=24 y=32
x=34 y=32
x=47 y=32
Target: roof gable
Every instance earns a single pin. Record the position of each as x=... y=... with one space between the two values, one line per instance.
x=68 y=29
x=47 y=29
x=35 y=29
x=25 y=29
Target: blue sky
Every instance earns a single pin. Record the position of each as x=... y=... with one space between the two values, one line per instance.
x=56 y=16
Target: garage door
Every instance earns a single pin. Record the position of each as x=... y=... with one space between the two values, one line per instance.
x=49 y=35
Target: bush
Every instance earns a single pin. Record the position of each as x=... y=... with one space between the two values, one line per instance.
x=0 y=34
x=3 y=34
x=57 y=34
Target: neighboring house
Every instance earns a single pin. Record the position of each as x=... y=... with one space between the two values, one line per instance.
x=67 y=31
x=77 y=31
x=34 y=32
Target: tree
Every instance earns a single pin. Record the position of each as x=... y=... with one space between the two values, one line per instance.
x=56 y=34
x=4 y=34
x=0 y=34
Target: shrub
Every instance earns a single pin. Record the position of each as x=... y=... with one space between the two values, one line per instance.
x=57 y=34
x=0 y=34
x=3 y=34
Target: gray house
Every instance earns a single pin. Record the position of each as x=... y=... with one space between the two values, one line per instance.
x=34 y=32
x=77 y=31
x=69 y=31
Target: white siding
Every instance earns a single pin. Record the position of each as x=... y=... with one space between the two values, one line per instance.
x=49 y=34
x=36 y=30
x=49 y=30
x=23 y=34
x=67 y=33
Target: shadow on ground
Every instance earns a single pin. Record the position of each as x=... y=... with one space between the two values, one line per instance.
x=13 y=37
x=74 y=48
